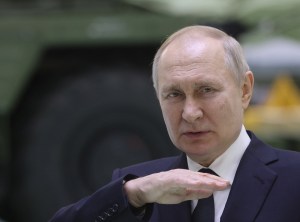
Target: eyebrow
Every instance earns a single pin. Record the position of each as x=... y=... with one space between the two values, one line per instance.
x=196 y=85
x=170 y=88
x=205 y=83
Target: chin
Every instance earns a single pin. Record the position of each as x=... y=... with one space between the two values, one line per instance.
x=196 y=151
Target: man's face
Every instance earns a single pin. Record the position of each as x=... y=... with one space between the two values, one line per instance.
x=201 y=101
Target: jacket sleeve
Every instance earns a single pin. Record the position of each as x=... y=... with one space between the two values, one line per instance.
x=109 y=203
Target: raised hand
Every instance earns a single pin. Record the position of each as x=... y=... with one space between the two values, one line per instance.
x=171 y=187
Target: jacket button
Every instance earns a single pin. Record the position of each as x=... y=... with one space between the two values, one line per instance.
x=107 y=214
x=100 y=218
x=114 y=209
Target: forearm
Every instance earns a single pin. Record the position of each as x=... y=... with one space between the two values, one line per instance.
x=108 y=200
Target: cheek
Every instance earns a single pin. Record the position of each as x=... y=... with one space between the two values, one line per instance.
x=171 y=117
x=231 y=112
x=170 y=123
x=226 y=110
x=167 y=115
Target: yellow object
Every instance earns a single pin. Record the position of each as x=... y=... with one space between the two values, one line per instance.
x=284 y=93
x=280 y=114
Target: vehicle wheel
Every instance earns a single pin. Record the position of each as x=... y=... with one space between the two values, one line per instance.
x=77 y=134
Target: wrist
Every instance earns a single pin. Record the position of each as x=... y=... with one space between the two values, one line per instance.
x=133 y=194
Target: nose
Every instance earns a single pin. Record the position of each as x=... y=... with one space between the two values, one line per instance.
x=191 y=111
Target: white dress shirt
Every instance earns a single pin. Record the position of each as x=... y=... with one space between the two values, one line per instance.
x=225 y=166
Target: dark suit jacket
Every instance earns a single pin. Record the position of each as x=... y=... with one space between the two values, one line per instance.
x=266 y=188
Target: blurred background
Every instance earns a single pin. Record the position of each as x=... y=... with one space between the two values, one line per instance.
x=76 y=98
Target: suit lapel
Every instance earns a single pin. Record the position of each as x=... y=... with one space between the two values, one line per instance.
x=252 y=183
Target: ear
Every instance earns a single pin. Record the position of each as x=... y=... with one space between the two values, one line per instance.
x=247 y=89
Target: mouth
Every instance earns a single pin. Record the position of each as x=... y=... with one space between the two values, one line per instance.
x=195 y=134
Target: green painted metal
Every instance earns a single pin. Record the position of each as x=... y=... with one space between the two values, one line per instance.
x=23 y=38
x=27 y=29
x=266 y=17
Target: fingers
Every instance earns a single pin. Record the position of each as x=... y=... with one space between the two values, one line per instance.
x=204 y=186
x=197 y=194
x=195 y=180
x=209 y=182
x=173 y=187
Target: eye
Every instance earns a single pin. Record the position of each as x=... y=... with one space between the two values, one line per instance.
x=206 y=89
x=173 y=95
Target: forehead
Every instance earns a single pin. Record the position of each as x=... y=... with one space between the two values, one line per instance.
x=192 y=53
x=188 y=50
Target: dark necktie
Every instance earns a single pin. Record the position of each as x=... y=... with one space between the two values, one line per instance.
x=205 y=209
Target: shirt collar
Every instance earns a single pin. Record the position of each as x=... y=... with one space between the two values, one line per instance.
x=227 y=163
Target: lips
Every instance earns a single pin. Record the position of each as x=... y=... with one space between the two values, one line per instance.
x=195 y=134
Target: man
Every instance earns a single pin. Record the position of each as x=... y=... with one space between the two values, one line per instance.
x=203 y=85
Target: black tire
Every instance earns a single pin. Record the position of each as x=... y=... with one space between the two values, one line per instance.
x=78 y=134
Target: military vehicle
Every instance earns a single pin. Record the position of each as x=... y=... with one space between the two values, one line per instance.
x=76 y=99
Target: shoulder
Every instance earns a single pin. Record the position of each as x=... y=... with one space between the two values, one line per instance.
x=149 y=167
x=288 y=157
x=262 y=149
x=276 y=158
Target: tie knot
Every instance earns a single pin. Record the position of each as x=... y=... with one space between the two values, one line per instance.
x=207 y=170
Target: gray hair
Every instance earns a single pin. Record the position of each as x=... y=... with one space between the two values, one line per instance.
x=234 y=57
